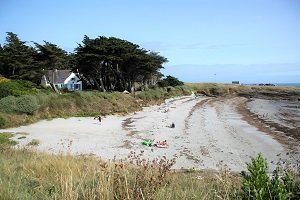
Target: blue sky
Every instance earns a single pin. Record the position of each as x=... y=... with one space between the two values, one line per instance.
x=251 y=41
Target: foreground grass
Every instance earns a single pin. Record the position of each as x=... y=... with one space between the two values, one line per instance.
x=26 y=174
x=29 y=175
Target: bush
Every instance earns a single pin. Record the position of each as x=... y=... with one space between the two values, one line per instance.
x=169 y=81
x=8 y=104
x=27 y=104
x=5 y=139
x=258 y=185
x=2 y=122
x=18 y=88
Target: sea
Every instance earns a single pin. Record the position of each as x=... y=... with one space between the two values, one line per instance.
x=281 y=84
x=288 y=84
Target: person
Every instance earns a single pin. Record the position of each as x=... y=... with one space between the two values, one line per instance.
x=161 y=144
x=172 y=125
x=99 y=118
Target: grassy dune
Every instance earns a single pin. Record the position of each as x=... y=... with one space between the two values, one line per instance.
x=19 y=110
x=274 y=92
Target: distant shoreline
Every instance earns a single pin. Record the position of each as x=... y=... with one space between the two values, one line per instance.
x=288 y=84
x=275 y=84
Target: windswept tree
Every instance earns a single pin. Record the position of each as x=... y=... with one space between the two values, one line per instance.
x=90 y=61
x=50 y=56
x=169 y=81
x=115 y=64
x=17 y=60
x=105 y=63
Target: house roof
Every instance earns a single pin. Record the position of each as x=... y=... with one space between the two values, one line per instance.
x=56 y=76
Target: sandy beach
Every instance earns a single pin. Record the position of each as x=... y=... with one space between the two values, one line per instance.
x=209 y=133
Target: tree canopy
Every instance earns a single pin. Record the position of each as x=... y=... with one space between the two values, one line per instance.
x=115 y=64
x=104 y=63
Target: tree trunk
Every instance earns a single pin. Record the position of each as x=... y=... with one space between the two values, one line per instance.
x=102 y=85
x=97 y=84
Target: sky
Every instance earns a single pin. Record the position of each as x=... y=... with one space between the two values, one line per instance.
x=251 y=41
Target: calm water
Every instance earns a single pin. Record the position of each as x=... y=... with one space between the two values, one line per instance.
x=289 y=84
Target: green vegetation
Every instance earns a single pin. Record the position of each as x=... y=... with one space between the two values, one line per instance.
x=104 y=63
x=113 y=64
x=257 y=184
x=24 y=109
x=43 y=176
x=18 y=88
x=169 y=81
x=5 y=139
x=2 y=122
x=26 y=104
x=22 y=104
x=31 y=107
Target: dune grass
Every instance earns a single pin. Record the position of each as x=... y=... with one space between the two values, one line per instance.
x=219 y=89
x=29 y=175
x=83 y=103
x=25 y=174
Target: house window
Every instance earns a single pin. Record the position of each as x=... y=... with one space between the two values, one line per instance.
x=58 y=86
x=77 y=86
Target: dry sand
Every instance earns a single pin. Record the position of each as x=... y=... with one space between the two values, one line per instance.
x=209 y=134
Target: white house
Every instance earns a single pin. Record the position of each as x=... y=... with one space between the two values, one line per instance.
x=62 y=79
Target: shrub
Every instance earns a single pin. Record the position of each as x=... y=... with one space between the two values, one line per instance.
x=5 y=139
x=27 y=104
x=4 y=91
x=8 y=104
x=2 y=122
x=3 y=79
x=170 y=81
x=277 y=186
x=18 y=88
x=258 y=185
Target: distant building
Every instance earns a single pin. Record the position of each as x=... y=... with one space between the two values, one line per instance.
x=62 y=79
x=236 y=82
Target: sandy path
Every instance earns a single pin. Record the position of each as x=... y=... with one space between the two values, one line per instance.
x=209 y=133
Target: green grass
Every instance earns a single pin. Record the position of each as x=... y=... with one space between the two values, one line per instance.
x=5 y=139
x=84 y=103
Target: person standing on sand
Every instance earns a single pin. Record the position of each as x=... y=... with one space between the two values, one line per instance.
x=99 y=118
